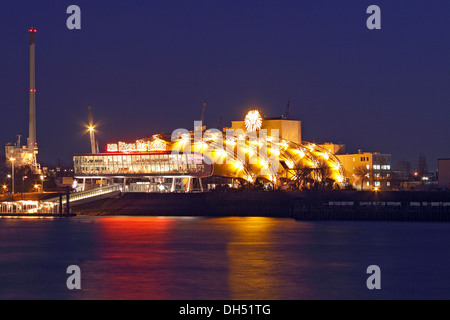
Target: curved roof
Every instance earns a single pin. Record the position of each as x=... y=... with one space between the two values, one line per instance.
x=242 y=157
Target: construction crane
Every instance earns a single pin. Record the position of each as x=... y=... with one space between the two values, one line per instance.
x=203 y=112
x=94 y=144
x=220 y=124
x=287 y=110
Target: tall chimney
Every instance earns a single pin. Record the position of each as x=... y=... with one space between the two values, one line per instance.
x=32 y=144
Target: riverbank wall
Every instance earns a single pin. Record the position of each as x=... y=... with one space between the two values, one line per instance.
x=336 y=205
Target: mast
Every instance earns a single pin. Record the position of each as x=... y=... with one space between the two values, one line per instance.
x=94 y=146
x=32 y=144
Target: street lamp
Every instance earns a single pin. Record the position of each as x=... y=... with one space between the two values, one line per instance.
x=42 y=183
x=12 y=174
x=23 y=184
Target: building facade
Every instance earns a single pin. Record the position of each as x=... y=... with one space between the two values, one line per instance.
x=145 y=171
x=444 y=173
x=367 y=170
x=182 y=161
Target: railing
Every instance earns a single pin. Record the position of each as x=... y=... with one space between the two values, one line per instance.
x=77 y=196
x=387 y=203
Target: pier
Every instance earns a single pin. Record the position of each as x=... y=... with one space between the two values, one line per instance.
x=33 y=208
x=58 y=206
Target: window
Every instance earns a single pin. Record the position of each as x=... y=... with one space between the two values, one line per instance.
x=377 y=183
x=368 y=167
x=388 y=184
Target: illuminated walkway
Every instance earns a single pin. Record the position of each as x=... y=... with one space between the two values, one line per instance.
x=52 y=206
x=90 y=195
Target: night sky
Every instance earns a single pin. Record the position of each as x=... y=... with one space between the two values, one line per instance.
x=146 y=67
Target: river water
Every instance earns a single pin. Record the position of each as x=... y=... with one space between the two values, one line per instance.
x=222 y=258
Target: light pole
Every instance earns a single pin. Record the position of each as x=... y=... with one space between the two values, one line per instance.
x=42 y=183
x=23 y=184
x=12 y=174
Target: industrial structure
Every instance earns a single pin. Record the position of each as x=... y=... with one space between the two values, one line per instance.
x=26 y=154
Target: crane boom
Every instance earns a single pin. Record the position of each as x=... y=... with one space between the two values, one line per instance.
x=203 y=112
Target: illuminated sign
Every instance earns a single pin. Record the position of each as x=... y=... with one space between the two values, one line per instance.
x=157 y=145
x=253 y=121
x=127 y=147
x=112 y=147
x=141 y=145
x=138 y=146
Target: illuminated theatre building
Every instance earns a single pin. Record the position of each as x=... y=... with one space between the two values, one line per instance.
x=263 y=151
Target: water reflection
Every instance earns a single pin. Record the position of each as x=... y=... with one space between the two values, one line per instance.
x=221 y=258
x=252 y=259
x=134 y=259
x=257 y=262
x=177 y=258
x=160 y=258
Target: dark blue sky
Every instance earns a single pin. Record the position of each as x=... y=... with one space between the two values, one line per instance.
x=146 y=67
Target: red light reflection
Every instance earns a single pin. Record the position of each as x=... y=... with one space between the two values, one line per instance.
x=135 y=253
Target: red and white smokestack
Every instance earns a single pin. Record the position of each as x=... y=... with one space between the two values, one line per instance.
x=32 y=144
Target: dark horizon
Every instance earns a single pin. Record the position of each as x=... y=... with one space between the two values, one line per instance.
x=146 y=68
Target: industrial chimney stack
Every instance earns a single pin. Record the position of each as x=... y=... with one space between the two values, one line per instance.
x=26 y=155
x=32 y=144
